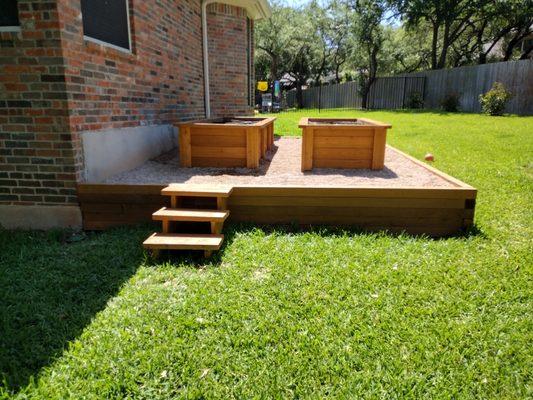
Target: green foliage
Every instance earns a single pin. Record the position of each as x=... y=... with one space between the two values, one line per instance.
x=450 y=102
x=339 y=39
x=494 y=101
x=415 y=100
x=290 y=313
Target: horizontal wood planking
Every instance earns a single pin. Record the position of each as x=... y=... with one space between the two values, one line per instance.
x=219 y=162
x=344 y=141
x=342 y=146
x=434 y=211
x=219 y=140
x=347 y=191
x=344 y=131
x=173 y=241
x=353 y=153
x=333 y=202
x=199 y=190
x=218 y=151
x=210 y=144
x=339 y=163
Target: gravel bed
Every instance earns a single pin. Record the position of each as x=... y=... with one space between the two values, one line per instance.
x=282 y=168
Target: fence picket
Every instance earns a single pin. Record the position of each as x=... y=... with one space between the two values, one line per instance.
x=467 y=82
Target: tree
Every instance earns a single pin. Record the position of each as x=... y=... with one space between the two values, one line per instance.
x=275 y=38
x=448 y=20
x=501 y=22
x=368 y=39
x=339 y=31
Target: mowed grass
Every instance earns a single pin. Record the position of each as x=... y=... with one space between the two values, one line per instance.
x=284 y=313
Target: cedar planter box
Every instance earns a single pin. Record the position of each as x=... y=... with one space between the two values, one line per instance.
x=343 y=143
x=225 y=142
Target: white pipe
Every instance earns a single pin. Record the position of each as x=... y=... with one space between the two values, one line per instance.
x=265 y=12
x=207 y=98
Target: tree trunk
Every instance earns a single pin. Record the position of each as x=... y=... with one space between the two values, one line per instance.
x=434 y=43
x=372 y=74
x=364 y=96
x=526 y=53
x=482 y=55
x=445 y=46
x=274 y=68
x=512 y=45
x=299 y=94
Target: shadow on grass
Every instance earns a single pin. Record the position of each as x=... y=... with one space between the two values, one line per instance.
x=327 y=230
x=51 y=286
x=231 y=230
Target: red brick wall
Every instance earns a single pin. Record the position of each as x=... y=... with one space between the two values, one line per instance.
x=37 y=158
x=228 y=58
x=54 y=84
x=160 y=81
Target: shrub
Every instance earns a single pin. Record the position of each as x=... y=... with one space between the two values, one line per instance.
x=450 y=102
x=415 y=100
x=493 y=102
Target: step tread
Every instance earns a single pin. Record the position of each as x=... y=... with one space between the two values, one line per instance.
x=177 y=189
x=175 y=241
x=183 y=214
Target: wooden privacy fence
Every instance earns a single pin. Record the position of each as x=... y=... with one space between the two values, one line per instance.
x=465 y=82
x=388 y=92
x=394 y=92
x=469 y=82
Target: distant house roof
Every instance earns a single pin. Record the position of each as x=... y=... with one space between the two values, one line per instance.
x=257 y=9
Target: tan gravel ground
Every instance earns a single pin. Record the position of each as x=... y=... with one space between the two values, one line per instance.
x=282 y=168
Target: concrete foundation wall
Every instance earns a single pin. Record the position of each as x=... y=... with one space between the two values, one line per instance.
x=113 y=151
x=39 y=217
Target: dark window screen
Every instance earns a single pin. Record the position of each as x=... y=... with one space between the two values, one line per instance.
x=106 y=20
x=9 y=15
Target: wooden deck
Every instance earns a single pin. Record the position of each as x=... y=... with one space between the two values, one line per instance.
x=435 y=211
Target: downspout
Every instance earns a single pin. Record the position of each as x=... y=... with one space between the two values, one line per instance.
x=207 y=98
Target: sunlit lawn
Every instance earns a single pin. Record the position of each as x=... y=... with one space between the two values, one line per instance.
x=291 y=314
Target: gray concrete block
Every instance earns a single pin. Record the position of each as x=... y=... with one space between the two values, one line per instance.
x=40 y=217
x=110 y=152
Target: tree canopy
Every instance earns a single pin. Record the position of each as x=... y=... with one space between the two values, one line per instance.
x=331 y=41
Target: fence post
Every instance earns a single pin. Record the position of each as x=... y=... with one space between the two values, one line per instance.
x=319 y=96
x=403 y=96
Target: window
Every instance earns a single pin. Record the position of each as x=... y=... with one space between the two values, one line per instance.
x=107 y=22
x=9 y=17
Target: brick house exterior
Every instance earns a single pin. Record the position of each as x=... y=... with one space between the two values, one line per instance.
x=59 y=91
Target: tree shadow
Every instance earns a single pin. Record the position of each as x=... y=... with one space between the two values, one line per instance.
x=234 y=229
x=52 y=284
x=196 y=258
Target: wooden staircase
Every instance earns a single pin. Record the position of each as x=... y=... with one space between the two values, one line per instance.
x=178 y=213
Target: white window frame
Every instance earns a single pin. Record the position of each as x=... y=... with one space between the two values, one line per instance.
x=111 y=45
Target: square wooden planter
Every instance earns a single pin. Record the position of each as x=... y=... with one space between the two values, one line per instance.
x=343 y=143
x=225 y=142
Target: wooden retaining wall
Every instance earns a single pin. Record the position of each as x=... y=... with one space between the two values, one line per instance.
x=431 y=211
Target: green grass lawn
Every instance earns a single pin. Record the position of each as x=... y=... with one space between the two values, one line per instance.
x=287 y=313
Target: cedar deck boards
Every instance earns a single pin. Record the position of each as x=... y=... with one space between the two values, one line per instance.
x=176 y=241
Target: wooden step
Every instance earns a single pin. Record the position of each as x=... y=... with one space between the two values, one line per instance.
x=180 y=214
x=174 y=241
x=178 y=189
